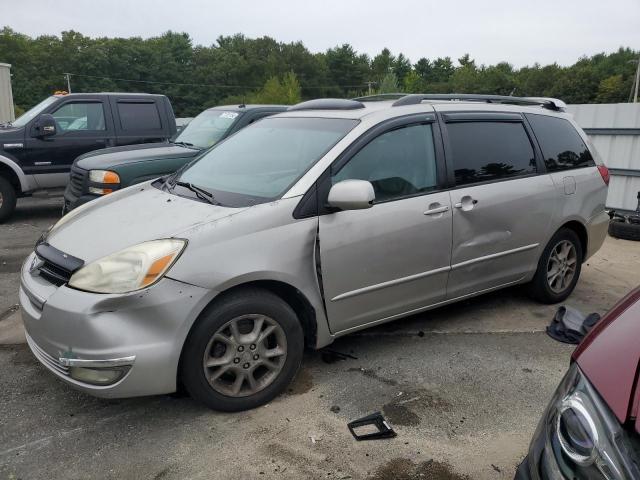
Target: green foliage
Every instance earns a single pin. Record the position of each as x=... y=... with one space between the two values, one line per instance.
x=238 y=69
x=276 y=91
x=18 y=111
x=389 y=83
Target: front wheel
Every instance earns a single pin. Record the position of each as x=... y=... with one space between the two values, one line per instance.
x=7 y=199
x=558 y=268
x=243 y=351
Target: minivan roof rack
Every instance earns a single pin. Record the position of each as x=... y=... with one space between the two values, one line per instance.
x=380 y=97
x=549 y=103
x=327 y=104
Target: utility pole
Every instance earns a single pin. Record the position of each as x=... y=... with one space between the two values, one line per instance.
x=68 y=77
x=635 y=94
x=369 y=84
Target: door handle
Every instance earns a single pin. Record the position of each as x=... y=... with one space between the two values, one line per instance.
x=466 y=203
x=435 y=209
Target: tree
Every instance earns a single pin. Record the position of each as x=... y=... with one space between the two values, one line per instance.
x=285 y=92
x=389 y=84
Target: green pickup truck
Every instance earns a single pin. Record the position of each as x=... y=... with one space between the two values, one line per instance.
x=100 y=172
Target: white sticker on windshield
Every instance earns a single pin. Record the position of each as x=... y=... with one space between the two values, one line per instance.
x=228 y=115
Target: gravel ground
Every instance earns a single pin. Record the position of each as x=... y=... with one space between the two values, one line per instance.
x=463 y=386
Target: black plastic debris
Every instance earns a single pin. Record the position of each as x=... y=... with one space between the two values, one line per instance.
x=570 y=325
x=376 y=420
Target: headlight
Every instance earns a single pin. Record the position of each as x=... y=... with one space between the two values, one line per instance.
x=108 y=179
x=130 y=269
x=583 y=438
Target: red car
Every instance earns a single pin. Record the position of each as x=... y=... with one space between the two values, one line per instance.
x=591 y=428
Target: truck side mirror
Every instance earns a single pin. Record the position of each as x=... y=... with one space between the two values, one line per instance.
x=45 y=125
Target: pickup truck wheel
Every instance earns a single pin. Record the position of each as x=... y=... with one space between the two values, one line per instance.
x=7 y=199
x=558 y=268
x=243 y=351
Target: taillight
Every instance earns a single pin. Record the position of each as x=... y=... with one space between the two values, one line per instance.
x=604 y=173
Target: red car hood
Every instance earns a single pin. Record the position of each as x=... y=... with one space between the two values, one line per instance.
x=610 y=357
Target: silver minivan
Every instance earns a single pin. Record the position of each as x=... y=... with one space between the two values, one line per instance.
x=331 y=217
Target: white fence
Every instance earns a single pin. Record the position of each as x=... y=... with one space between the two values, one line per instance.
x=614 y=129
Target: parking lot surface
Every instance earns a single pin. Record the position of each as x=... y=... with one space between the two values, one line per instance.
x=463 y=386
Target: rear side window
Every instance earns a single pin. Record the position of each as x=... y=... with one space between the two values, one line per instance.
x=562 y=146
x=486 y=151
x=139 y=116
x=398 y=163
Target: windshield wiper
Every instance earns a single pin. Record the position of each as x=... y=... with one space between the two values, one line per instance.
x=200 y=192
x=187 y=144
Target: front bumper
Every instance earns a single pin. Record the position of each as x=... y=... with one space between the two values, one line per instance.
x=142 y=331
x=71 y=201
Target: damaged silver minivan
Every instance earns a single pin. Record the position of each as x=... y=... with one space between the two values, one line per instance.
x=331 y=217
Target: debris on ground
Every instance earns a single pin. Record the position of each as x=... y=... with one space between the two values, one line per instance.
x=335 y=409
x=372 y=427
x=570 y=325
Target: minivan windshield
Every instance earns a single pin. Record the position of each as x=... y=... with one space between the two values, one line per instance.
x=262 y=161
x=207 y=128
x=26 y=117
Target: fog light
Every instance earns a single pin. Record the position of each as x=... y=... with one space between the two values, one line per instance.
x=98 y=376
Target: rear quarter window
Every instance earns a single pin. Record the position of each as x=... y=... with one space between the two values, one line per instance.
x=562 y=147
x=139 y=116
x=490 y=151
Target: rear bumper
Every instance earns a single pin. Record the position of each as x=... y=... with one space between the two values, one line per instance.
x=597 y=227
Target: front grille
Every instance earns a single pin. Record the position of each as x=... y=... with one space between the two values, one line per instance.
x=54 y=274
x=78 y=179
x=56 y=266
x=49 y=361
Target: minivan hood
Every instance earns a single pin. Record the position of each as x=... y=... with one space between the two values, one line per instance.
x=111 y=157
x=128 y=217
x=610 y=356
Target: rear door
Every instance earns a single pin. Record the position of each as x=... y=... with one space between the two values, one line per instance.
x=503 y=202
x=139 y=120
x=393 y=257
x=82 y=125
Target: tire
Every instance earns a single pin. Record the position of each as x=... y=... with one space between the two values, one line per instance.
x=558 y=287
x=7 y=199
x=235 y=356
x=624 y=230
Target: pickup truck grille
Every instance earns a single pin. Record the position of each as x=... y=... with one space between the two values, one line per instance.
x=78 y=180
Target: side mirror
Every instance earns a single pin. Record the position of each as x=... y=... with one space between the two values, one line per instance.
x=352 y=195
x=45 y=125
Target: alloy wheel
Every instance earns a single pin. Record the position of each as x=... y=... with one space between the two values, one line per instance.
x=245 y=355
x=561 y=267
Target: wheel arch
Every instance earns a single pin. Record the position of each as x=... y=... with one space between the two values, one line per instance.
x=11 y=172
x=288 y=293
x=581 y=230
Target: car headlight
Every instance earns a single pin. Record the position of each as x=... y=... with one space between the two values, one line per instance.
x=130 y=269
x=583 y=438
x=108 y=180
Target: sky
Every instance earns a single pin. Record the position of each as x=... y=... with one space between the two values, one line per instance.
x=520 y=32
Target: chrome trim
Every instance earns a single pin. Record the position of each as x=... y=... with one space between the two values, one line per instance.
x=39 y=164
x=47 y=360
x=493 y=255
x=390 y=283
x=421 y=309
x=106 y=363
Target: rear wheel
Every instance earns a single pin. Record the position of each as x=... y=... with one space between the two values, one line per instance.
x=558 y=268
x=243 y=351
x=7 y=199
